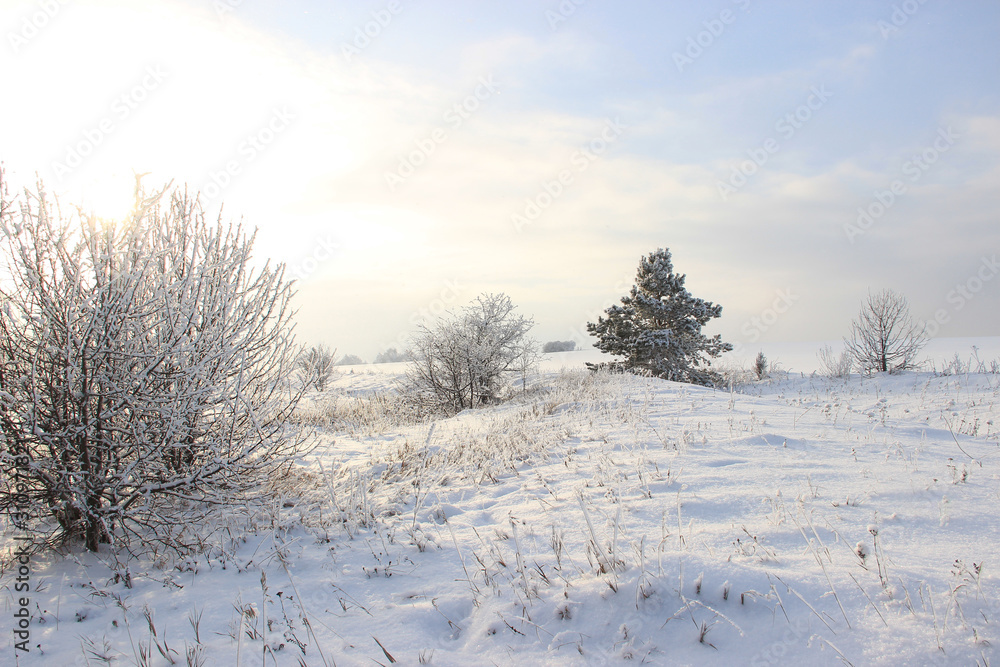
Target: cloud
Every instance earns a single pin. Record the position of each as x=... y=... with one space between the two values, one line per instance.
x=476 y=155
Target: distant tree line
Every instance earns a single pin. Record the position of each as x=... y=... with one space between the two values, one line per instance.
x=559 y=346
x=392 y=356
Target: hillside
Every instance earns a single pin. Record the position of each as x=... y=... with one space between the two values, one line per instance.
x=594 y=520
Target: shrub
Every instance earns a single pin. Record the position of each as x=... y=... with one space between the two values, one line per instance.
x=142 y=365
x=315 y=366
x=469 y=358
x=760 y=366
x=834 y=365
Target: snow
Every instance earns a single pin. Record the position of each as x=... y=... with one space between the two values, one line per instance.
x=594 y=520
x=801 y=357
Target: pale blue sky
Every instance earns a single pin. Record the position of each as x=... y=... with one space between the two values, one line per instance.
x=329 y=128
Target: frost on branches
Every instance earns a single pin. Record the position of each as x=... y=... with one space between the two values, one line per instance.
x=315 y=366
x=884 y=339
x=141 y=367
x=468 y=359
x=657 y=327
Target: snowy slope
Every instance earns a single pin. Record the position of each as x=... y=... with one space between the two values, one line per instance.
x=597 y=520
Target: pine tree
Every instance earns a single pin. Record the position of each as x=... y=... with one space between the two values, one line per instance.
x=657 y=327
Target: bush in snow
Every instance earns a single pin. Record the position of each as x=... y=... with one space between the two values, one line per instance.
x=315 y=366
x=657 y=329
x=884 y=337
x=469 y=358
x=834 y=365
x=142 y=365
x=559 y=346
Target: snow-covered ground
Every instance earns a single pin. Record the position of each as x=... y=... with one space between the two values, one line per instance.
x=595 y=520
x=803 y=357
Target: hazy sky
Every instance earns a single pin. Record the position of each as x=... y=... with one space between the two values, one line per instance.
x=403 y=157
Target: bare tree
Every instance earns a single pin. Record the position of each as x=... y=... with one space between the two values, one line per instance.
x=315 y=366
x=883 y=337
x=467 y=359
x=141 y=365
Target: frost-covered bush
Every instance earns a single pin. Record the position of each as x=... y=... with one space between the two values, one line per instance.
x=835 y=365
x=471 y=358
x=142 y=365
x=315 y=366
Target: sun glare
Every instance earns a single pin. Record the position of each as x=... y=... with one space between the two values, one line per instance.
x=109 y=198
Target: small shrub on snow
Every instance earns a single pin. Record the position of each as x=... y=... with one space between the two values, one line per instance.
x=471 y=358
x=760 y=366
x=834 y=365
x=315 y=366
x=732 y=374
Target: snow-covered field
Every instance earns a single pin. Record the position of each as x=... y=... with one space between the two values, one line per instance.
x=595 y=520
